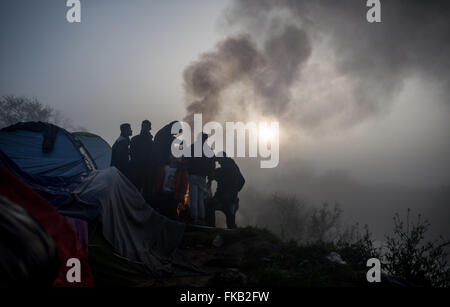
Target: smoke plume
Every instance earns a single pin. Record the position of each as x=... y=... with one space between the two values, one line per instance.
x=319 y=64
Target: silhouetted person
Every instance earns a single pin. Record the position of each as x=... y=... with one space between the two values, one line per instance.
x=229 y=183
x=141 y=147
x=120 y=156
x=161 y=154
x=199 y=168
x=162 y=145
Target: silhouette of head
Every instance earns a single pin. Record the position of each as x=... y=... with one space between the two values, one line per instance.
x=146 y=126
x=222 y=158
x=125 y=130
x=204 y=137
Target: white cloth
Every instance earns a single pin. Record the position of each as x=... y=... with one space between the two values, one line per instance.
x=169 y=179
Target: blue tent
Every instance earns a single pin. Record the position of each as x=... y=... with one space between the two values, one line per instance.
x=97 y=147
x=45 y=149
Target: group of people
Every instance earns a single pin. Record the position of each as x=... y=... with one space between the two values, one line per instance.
x=179 y=188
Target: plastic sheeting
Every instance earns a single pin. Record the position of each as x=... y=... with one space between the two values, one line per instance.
x=135 y=231
x=130 y=225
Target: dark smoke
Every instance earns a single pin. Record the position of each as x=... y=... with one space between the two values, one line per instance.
x=269 y=71
x=283 y=36
x=205 y=79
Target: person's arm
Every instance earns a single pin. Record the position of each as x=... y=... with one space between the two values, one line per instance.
x=133 y=149
x=211 y=167
x=124 y=150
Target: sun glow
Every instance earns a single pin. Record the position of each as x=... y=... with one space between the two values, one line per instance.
x=266 y=134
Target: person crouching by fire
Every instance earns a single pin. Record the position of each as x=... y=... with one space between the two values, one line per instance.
x=170 y=188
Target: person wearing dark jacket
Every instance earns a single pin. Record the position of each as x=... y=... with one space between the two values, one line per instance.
x=141 y=150
x=229 y=183
x=120 y=156
x=199 y=168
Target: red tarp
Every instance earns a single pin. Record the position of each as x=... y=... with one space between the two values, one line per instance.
x=65 y=239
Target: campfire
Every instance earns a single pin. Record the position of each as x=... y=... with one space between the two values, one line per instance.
x=182 y=205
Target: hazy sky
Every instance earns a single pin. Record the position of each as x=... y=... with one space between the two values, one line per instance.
x=125 y=62
x=122 y=63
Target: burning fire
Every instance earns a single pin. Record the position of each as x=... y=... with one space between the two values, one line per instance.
x=182 y=205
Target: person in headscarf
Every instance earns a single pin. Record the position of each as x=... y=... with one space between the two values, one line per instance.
x=161 y=155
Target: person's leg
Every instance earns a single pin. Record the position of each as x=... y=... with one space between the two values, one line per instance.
x=201 y=198
x=229 y=215
x=230 y=209
x=207 y=212
x=193 y=196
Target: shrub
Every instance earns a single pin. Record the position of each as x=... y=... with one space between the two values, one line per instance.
x=408 y=256
x=356 y=249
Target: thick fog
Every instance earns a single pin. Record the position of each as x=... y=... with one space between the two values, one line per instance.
x=364 y=109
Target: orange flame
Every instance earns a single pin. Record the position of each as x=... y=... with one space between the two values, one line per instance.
x=182 y=205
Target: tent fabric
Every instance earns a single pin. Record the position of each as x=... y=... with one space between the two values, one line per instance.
x=48 y=131
x=81 y=229
x=56 y=190
x=45 y=149
x=98 y=148
x=130 y=225
x=65 y=239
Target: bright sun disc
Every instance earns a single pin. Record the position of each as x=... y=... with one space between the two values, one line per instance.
x=265 y=134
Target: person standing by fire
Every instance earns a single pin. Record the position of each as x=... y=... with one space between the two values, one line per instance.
x=199 y=168
x=229 y=183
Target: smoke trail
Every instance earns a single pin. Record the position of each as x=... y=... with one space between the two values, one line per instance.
x=205 y=79
x=320 y=63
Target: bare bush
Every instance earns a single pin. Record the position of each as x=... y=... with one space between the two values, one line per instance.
x=323 y=224
x=408 y=256
x=293 y=219
x=23 y=109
